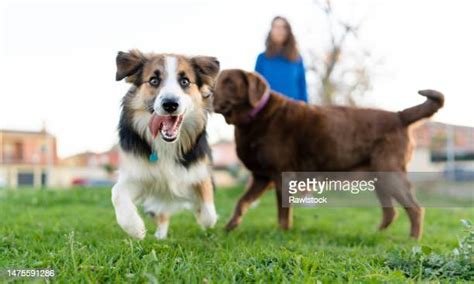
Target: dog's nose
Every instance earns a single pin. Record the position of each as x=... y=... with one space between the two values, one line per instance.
x=170 y=106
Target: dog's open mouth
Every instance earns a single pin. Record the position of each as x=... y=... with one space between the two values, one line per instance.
x=167 y=125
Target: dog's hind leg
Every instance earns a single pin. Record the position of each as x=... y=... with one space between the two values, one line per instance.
x=407 y=199
x=255 y=188
x=395 y=185
x=162 y=222
x=389 y=212
x=389 y=159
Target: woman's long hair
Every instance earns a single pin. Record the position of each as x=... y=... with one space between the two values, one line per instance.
x=289 y=49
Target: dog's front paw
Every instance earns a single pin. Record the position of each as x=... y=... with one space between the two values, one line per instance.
x=207 y=217
x=133 y=225
x=162 y=231
x=160 y=235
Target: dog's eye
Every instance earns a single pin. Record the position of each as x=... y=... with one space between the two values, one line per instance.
x=184 y=82
x=154 y=81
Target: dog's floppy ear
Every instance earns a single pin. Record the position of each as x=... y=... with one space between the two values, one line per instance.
x=257 y=87
x=128 y=64
x=207 y=68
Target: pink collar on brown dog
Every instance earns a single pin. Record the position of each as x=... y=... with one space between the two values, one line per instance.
x=261 y=104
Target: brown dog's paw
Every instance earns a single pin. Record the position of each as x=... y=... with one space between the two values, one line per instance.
x=285 y=223
x=232 y=225
x=285 y=226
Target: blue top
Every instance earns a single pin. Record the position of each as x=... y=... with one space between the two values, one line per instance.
x=284 y=76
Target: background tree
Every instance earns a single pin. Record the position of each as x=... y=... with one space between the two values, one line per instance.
x=343 y=71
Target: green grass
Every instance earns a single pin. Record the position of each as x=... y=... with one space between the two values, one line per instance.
x=75 y=233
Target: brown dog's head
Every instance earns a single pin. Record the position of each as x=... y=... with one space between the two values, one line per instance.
x=236 y=93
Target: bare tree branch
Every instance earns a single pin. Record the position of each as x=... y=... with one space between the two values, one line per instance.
x=334 y=65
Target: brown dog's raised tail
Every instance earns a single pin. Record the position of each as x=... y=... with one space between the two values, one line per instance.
x=434 y=101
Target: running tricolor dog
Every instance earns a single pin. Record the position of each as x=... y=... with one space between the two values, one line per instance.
x=165 y=157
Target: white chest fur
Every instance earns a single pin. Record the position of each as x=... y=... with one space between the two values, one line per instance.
x=164 y=185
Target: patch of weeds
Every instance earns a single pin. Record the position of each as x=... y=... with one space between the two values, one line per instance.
x=423 y=263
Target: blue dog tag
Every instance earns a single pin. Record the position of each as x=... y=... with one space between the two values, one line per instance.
x=153 y=157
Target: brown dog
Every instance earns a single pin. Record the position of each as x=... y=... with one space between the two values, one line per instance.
x=275 y=134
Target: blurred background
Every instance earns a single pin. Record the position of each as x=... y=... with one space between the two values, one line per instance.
x=60 y=104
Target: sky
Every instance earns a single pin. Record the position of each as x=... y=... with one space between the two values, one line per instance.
x=57 y=59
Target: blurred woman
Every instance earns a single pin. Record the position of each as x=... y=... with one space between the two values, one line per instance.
x=281 y=63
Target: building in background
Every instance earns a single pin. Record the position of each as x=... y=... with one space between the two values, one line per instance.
x=27 y=158
x=91 y=168
x=441 y=147
x=105 y=159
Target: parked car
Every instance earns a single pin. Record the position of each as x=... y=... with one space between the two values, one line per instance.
x=459 y=174
x=86 y=182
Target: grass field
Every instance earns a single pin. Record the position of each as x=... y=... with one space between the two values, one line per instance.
x=75 y=233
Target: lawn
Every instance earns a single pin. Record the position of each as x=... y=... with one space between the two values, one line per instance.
x=74 y=232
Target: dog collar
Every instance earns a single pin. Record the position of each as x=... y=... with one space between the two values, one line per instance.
x=153 y=158
x=261 y=104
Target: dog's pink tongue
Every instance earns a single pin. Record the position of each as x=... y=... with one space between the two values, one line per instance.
x=166 y=123
x=154 y=124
